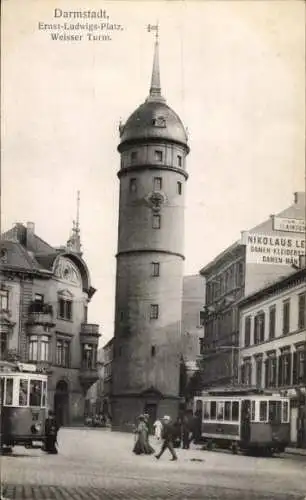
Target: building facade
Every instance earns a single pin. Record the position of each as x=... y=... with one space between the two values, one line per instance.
x=261 y=256
x=273 y=344
x=146 y=347
x=192 y=305
x=45 y=294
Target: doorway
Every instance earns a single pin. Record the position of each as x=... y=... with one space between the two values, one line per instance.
x=61 y=403
x=151 y=410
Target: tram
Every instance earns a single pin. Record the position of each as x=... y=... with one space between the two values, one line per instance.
x=250 y=421
x=23 y=405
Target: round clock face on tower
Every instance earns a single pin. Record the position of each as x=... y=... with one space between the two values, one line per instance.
x=155 y=200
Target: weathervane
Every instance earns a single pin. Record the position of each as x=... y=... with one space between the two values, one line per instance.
x=154 y=27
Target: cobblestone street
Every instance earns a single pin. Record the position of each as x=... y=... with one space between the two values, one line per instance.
x=97 y=464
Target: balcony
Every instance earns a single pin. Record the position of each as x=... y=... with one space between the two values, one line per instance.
x=40 y=314
x=89 y=333
x=88 y=376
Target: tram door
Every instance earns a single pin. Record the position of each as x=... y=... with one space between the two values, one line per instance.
x=245 y=420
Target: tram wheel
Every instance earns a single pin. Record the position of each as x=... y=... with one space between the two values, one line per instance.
x=234 y=448
x=209 y=446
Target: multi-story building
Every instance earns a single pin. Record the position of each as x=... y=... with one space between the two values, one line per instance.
x=192 y=305
x=149 y=281
x=262 y=255
x=273 y=344
x=45 y=292
x=108 y=350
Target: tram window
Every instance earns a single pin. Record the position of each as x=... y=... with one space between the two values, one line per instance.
x=275 y=411
x=235 y=411
x=44 y=394
x=253 y=410
x=198 y=409
x=35 y=392
x=285 y=411
x=263 y=411
x=206 y=409
x=213 y=410
x=220 y=410
x=23 y=392
x=9 y=392
x=227 y=410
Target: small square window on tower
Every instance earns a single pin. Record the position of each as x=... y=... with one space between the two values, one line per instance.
x=179 y=187
x=154 y=311
x=156 y=221
x=134 y=156
x=157 y=183
x=155 y=268
x=133 y=185
x=179 y=160
x=158 y=155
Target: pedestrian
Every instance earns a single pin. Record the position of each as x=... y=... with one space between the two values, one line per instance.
x=150 y=450
x=142 y=446
x=167 y=436
x=186 y=432
x=51 y=430
x=158 y=427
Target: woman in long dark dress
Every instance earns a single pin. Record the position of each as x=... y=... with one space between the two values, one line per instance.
x=142 y=446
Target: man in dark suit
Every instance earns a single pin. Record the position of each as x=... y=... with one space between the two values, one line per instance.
x=167 y=436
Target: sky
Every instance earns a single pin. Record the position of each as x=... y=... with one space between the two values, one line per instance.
x=233 y=70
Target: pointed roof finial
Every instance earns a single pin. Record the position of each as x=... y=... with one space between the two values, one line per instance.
x=74 y=242
x=155 y=88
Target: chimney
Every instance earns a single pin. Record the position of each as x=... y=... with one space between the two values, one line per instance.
x=30 y=234
x=299 y=198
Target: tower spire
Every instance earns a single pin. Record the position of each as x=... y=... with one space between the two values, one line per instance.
x=74 y=242
x=155 y=88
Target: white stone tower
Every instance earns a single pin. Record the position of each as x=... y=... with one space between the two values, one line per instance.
x=146 y=364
